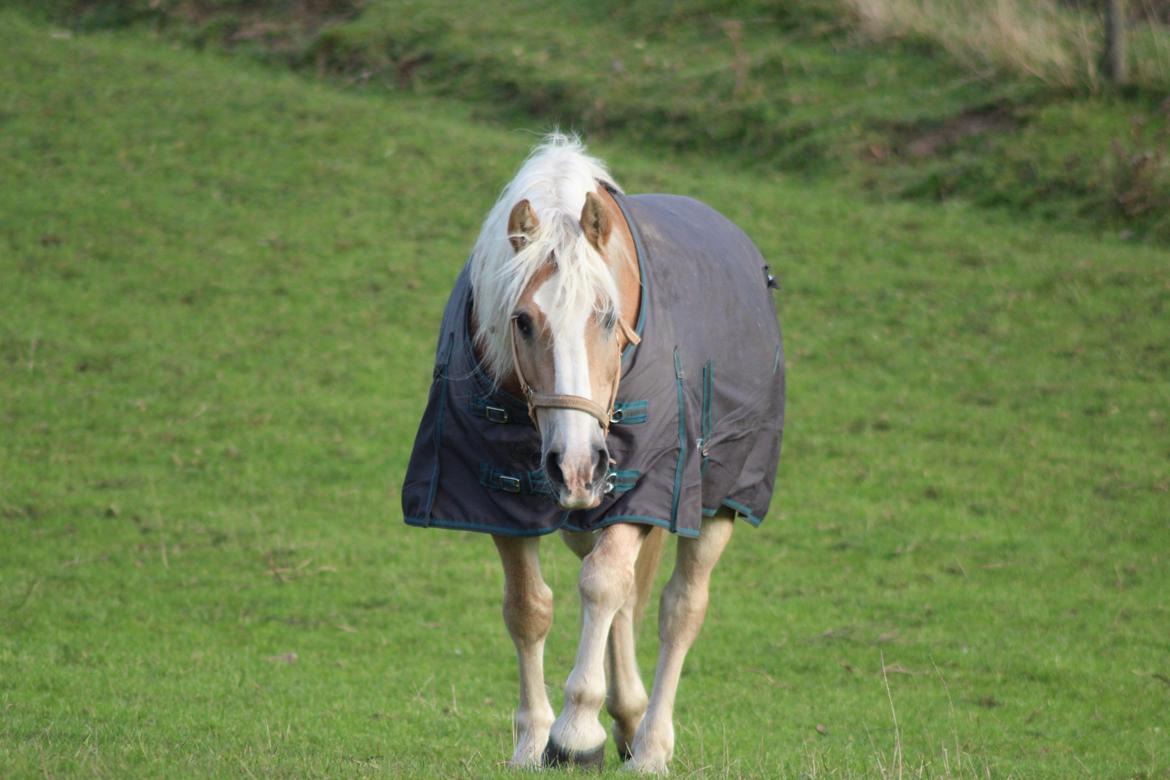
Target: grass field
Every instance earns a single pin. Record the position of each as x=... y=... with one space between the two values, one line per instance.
x=219 y=288
x=995 y=102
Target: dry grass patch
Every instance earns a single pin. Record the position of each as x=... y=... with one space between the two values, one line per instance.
x=1041 y=39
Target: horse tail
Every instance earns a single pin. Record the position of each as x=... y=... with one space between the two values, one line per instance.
x=645 y=568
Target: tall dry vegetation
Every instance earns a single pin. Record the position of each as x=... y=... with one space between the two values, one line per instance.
x=1042 y=39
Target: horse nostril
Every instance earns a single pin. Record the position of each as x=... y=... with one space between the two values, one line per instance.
x=600 y=464
x=552 y=468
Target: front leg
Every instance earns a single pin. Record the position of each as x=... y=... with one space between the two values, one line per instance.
x=607 y=579
x=528 y=609
x=680 y=616
x=625 y=697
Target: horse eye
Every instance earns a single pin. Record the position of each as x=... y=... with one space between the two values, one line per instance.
x=523 y=323
x=609 y=319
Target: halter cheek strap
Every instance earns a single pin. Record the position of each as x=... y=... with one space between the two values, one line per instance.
x=535 y=400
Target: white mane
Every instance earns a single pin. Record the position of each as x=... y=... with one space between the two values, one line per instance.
x=554 y=179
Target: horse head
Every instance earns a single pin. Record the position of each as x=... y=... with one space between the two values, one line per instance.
x=567 y=332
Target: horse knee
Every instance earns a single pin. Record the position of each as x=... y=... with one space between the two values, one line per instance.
x=682 y=610
x=605 y=586
x=528 y=613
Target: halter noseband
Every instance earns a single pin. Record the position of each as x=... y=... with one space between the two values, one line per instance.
x=535 y=400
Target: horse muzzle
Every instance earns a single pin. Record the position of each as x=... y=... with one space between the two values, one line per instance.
x=578 y=477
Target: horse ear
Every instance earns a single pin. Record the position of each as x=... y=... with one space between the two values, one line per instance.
x=522 y=224
x=595 y=221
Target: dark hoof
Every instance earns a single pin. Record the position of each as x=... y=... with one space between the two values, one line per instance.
x=624 y=752
x=555 y=755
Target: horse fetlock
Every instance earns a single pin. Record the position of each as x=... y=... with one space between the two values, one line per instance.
x=647 y=764
x=531 y=729
x=627 y=717
x=526 y=721
x=529 y=752
x=653 y=748
x=577 y=731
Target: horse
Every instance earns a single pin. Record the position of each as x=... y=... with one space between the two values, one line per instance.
x=610 y=367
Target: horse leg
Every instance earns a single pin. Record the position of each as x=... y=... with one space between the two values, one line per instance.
x=680 y=616
x=625 y=695
x=607 y=578
x=528 y=607
x=626 y=698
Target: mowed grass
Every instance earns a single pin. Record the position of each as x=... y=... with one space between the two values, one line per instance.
x=219 y=289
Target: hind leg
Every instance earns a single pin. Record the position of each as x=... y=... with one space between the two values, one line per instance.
x=607 y=579
x=625 y=697
x=528 y=606
x=680 y=616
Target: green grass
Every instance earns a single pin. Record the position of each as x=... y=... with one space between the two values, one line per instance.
x=219 y=288
x=794 y=87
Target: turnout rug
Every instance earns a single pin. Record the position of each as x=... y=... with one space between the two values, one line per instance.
x=700 y=411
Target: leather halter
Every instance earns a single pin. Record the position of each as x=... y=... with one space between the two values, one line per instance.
x=535 y=400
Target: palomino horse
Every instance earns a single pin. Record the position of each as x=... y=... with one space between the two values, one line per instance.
x=609 y=366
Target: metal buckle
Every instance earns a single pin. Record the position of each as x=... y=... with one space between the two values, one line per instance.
x=509 y=484
x=495 y=414
x=617 y=415
x=610 y=481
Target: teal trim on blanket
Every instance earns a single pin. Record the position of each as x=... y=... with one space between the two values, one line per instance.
x=622 y=481
x=459 y=525
x=682 y=443
x=687 y=533
x=630 y=412
x=705 y=423
x=744 y=511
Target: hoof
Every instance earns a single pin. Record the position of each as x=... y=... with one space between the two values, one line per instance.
x=555 y=755
x=624 y=752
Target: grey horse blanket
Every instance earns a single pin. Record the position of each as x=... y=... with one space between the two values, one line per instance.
x=700 y=411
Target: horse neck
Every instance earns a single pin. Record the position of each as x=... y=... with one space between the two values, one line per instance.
x=623 y=263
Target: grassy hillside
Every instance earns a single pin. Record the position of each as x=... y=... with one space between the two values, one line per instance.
x=217 y=309
x=995 y=102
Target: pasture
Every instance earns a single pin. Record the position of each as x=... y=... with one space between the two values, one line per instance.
x=219 y=289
